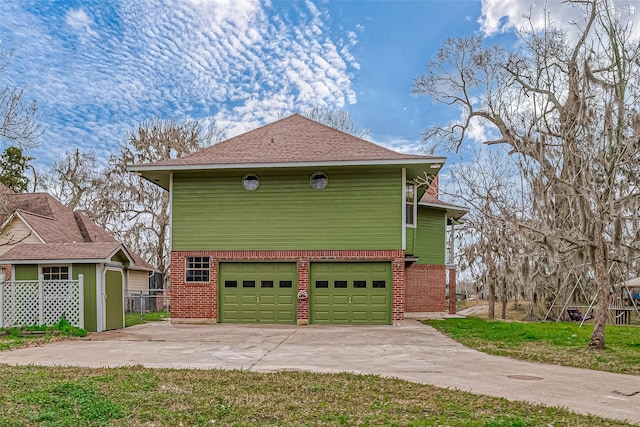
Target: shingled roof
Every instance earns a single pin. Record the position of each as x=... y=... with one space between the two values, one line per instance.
x=96 y=252
x=292 y=140
x=66 y=234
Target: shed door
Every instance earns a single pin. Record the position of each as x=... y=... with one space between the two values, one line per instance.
x=351 y=292
x=257 y=292
x=114 y=309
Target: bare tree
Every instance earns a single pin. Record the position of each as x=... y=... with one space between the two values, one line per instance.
x=77 y=181
x=567 y=111
x=135 y=210
x=20 y=122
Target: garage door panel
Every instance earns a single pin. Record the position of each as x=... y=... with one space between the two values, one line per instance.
x=267 y=299
x=246 y=299
x=322 y=299
x=248 y=315
x=338 y=316
x=285 y=299
x=232 y=315
x=339 y=300
x=378 y=316
x=258 y=292
x=360 y=300
x=381 y=300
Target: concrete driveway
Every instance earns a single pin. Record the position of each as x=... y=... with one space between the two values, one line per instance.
x=410 y=350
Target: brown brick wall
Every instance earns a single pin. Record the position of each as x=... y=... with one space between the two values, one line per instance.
x=200 y=300
x=425 y=288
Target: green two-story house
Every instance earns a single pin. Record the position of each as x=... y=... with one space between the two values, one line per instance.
x=296 y=222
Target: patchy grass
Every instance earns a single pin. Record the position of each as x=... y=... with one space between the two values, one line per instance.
x=11 y=338
x=559 y=343
x=137 y=396
x=131 y=319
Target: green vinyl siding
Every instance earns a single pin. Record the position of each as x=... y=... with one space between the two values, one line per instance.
x=90 y=309
x=360 y=209
x=410 y=236
x=430 y=235
x=26 y=272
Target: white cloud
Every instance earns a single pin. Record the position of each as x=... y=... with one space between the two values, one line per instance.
x=503 y=15
x=241 y=62
x=80 y=22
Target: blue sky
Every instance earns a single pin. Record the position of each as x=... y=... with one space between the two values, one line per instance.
x=97 y=68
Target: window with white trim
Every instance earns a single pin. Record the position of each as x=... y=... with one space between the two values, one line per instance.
x=197 y=269
x=55 y=272
x=410 y=204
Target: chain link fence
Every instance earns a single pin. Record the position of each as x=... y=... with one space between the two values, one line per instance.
x=147 y=301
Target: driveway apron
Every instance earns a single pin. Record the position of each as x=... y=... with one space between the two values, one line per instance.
x=409 y=350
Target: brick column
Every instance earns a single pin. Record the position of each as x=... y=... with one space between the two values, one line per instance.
x=397 y=310
x=452 y=291
x=303 y=286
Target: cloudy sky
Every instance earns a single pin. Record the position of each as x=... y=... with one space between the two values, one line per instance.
x=97 y=68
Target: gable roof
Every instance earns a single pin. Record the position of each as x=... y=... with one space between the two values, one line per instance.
x=66 y=234
x=289 y=142
x=53 y=222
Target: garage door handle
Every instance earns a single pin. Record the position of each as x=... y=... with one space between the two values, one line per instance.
x=257 y=299
x=349 y=300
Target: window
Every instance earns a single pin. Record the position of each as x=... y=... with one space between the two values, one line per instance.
x=248 y=283
x=410 y=203
x=286 y=283
x=379 y=284
x=359 y=284
x=319 y=180
x=322 y=284
x=251 y=182
x=339 y=284
x=55 y=273
x=197 y=269
x=230 y=283
x=266 y=284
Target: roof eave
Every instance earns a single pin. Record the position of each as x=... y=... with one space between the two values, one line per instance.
x=171 y=168
x=57 y=261
x=454 y=211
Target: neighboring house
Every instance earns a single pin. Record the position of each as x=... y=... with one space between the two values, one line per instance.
x=43 y=239
x=296 y=222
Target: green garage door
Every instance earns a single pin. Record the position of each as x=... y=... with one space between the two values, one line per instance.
x=258 y=292
x=351 y=293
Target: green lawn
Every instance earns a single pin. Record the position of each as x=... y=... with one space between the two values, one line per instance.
x=135 y=396
x=131 y=319
x=549 y=342
x=11 y=338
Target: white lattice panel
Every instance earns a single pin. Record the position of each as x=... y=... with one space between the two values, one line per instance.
x=21 y=302
x=61 y=298
x=26 y=307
